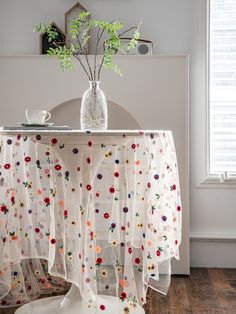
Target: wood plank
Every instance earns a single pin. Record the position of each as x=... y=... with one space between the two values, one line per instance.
x=179 y=295
x=202 y=296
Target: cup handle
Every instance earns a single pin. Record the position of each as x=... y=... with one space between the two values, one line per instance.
x=48 y=116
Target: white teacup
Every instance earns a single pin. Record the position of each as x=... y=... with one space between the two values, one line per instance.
x=37 y=116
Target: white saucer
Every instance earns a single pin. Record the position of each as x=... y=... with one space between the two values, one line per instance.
x=35 y=124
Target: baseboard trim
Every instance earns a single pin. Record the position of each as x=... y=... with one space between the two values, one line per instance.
x=194 y=237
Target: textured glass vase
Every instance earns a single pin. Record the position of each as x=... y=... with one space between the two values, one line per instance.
x=93 y=115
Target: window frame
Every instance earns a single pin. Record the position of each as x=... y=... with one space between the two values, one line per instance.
x=207 y=179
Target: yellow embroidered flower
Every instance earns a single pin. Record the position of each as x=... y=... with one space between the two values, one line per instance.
x=151 y=267
x=104 y=273
x=126 y=310
x=114 y=243
x=120 y=269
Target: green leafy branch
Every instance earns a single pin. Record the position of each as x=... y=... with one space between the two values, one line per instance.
x=108 y=39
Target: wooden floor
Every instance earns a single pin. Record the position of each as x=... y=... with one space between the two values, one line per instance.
x=206 y=291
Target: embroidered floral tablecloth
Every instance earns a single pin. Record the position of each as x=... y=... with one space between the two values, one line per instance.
x=101 y=210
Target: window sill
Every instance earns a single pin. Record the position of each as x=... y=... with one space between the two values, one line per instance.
x=215 y=182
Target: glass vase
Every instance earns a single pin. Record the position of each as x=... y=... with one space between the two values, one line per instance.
x=93 y=115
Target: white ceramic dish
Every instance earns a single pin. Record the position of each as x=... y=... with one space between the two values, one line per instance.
x=35 y=124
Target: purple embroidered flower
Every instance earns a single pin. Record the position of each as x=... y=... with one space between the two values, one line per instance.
x=9 y=142
x=125 y=209
x=75 y=150
x=156 y=176
x=164 y=218
x=99 y=176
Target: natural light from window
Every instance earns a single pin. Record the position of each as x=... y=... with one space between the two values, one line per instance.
x=222 y=87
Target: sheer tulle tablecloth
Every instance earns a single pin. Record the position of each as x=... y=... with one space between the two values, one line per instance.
x=100 y=210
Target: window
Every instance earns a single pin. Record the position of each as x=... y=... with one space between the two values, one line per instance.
x=222 y=87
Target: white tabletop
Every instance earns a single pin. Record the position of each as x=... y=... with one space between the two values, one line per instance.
x=27 y=130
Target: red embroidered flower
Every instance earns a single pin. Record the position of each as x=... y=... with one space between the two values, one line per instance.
x=57 y=167
x=133 y=146
x=176 y=242
x=130 y=250
x=37 y=230
x=149 y=185
x=99 y=261
x=53 y=241
x=102 y=307
x=54 y=141
x=47 y=200
x=112 y=189
x=88 y=187
x=158 y=252
x=13 y=200
x=137 y=260
x=89 y=160
x=27 y=159
x=178 y=208
x=97 y=194
x=116 y=174
x=89 y=143
x=123 y=228
x=4 y=209
x=65 y=213
x=123 y=295
x=173 y=187
x=7 y=166
x=106 y=215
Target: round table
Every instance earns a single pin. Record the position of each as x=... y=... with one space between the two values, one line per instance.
x=102 y=209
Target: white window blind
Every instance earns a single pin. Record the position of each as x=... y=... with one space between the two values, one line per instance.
x=222 y=86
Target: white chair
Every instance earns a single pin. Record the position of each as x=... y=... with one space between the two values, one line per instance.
x=68 y=113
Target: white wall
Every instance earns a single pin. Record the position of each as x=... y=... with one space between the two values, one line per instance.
x=174 y=27
x=164 y=22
